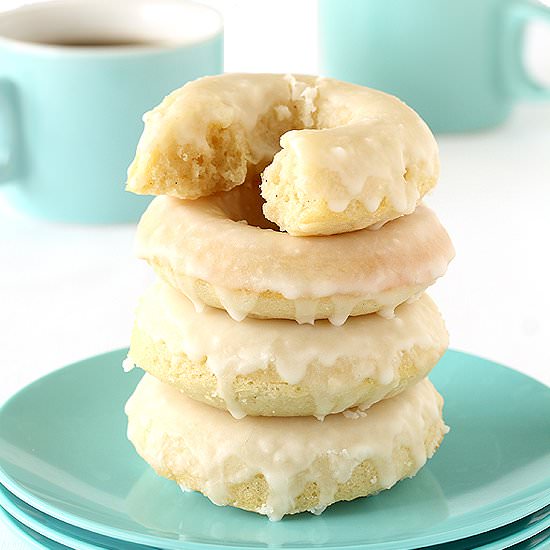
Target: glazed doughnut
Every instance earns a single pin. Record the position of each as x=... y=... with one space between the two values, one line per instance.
x=206 y=249
x=278 y=466
x=368 y=159
x=351 y=156
x=277 y=368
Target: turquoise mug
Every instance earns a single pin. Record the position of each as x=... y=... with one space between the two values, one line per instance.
x=76 y=77
x=458 y=63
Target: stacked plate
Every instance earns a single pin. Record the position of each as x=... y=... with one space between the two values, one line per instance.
x=71 y=479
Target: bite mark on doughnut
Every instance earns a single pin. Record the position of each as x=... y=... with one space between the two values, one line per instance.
x=211 y=134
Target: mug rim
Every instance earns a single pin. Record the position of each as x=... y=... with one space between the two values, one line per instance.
x=38 y=47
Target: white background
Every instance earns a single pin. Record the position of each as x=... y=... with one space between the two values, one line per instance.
x=67 y=292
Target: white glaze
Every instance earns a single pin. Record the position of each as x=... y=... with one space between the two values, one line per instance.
x=197 y=240
x=374 y=344
x=367 y=170
x=128 y=365
x=367 y=139
x=239 y=304
x=220 y=451
x=305 y=311
x=184 y=116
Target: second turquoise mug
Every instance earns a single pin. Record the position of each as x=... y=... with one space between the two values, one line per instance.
x=76 y=77
x=458 y=63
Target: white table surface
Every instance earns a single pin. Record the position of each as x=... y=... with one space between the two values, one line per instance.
x=68 y=292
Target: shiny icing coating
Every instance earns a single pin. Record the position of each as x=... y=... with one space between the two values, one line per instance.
x=340 y=143
x=209 y=239
x=370 y=345
x=186 y=439
x=365 y=147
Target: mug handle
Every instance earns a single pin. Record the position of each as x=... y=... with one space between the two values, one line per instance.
x=519 y=82
x=8 y=130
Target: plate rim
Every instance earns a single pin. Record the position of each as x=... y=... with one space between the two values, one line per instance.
x=175 y=544
x=523 y=536
x=8 y=520
x=12 y=508
x=14 y=511
x=7 y=506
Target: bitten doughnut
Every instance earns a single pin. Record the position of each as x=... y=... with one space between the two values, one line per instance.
x=278 y=466
x=206 y=249
x=351 y=156
x=278 y=368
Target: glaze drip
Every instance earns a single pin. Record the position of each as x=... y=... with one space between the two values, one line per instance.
x=288 y=452
x=230 y=349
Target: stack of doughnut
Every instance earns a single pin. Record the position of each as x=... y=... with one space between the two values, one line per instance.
x=288 y=338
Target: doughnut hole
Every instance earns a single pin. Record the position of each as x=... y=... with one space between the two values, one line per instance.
x=245 y=204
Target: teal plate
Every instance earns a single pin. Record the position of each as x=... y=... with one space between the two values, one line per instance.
x=65 y=533
x=541 y=541
x=32 y=538
x=518 y=531
x=63 y=450
x=538 y=542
